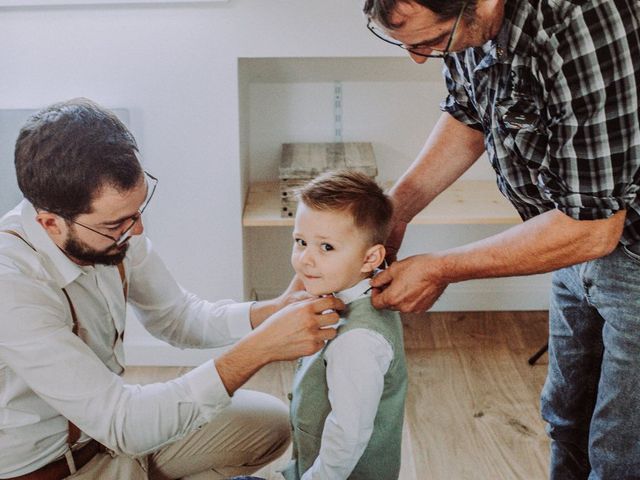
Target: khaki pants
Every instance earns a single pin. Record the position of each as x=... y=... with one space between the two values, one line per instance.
x=250 y=433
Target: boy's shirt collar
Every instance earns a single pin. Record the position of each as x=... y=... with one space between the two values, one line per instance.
x=359 y=290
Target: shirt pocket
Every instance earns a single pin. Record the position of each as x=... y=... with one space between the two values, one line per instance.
x=519 y=117
x=522 y=130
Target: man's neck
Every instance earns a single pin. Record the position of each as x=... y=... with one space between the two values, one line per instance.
x=491 y=12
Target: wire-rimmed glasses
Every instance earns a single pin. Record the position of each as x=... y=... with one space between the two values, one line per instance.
x=152 y=182
x=378 y=32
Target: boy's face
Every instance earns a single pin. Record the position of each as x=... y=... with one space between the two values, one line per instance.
x=329 y=251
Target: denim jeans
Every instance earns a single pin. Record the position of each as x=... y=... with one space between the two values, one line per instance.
x=591 y=398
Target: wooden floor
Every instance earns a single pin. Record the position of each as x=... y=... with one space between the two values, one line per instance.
x=472 y=405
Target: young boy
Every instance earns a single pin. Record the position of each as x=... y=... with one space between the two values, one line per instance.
x=347 y=403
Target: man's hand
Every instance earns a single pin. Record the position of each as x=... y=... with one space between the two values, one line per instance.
x=295 y=292
x=410 y=285
x=542 y=244
x=297 y=330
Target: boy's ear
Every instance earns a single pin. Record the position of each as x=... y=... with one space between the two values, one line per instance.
x=373 y=258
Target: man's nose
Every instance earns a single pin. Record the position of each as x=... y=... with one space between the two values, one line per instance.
x=138 y=228
x=419 y=59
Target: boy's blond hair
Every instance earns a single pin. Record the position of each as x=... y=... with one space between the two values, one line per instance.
x=353 y=192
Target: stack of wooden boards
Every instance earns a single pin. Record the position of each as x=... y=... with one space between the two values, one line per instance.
x=301 y=162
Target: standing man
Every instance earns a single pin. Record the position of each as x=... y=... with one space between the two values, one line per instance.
x=72 y=258
x=549 y=89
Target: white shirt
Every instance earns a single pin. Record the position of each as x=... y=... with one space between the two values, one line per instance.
x=47 y=373
x=354 y=394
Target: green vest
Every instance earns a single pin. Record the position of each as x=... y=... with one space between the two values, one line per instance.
x=310 y=403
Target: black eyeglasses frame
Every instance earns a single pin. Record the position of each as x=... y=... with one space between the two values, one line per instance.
x=371 y=27
x=124 y=236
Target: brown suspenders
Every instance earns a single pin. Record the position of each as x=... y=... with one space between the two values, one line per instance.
x=74 y=431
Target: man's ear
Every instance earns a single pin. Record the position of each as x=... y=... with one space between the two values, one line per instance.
x=373 y=258
x=50 y=222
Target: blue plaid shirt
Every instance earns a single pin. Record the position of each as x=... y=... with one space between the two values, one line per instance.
x=556 y=95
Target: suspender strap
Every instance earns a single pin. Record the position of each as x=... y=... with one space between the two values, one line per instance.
x=123 y=279
x=16 y=234
x=120 y=266
x=74 y=317
x=74 y=431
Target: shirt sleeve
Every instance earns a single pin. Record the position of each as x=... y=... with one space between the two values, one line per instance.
x=591 y=78
x=357 y=362
x=38 y=346
x=174 y=315
x=458 y=103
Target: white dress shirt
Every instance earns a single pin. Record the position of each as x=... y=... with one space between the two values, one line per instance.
x=48 y=374
x=354 y=394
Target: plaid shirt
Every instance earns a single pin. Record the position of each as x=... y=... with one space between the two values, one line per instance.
x=556 y=94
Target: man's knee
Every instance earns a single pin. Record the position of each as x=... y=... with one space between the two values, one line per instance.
x=250 y=433
x=268 y=419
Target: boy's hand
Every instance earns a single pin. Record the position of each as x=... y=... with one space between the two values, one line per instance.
x=262 y=310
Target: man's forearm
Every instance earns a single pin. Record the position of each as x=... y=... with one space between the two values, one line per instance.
x=237 y=365
x=547 y=242
x=262 y=310
x=296 y=330
x=542 y=244
x=450 y=150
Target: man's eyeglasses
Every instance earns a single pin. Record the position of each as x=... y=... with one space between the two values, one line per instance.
x=152 y=182
x=378 y=32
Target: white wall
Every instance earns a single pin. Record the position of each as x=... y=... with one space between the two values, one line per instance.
x=389 y=101
x=10 y=123
x=174 y=67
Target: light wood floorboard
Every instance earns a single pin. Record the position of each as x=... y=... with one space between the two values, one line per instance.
x=473 y=401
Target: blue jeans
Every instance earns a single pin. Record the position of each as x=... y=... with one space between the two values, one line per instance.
x=591 y=398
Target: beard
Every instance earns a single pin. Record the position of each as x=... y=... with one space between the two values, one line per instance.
x=81 y=251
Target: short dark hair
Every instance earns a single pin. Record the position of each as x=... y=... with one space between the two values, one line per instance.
x=66 y=153
x=382 y=10
x=355 y=193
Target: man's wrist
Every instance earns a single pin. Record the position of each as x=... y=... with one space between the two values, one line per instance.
x=261 y=310
x=408 y=198
x=443 y=267
x=241 y=362
x=402 y=210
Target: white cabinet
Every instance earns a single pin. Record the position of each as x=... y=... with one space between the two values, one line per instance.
x=392 y=103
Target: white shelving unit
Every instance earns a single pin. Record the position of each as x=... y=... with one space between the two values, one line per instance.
x=466 y=202
x=392 y=103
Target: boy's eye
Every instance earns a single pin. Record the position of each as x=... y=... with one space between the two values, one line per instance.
x=114 y=228
x=326 y=247
x=300 y=242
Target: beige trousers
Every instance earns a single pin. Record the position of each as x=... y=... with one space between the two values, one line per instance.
x=252 y=432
